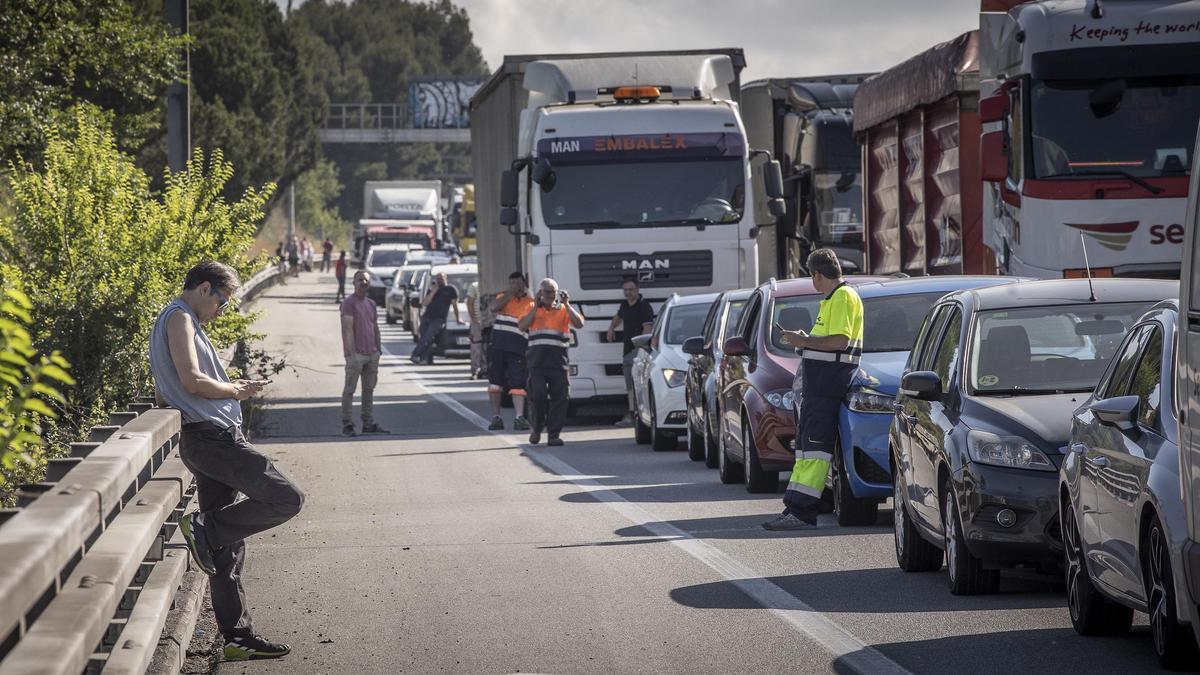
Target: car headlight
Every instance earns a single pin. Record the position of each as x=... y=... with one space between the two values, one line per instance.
x=1011 y=451
x=784 y=399
x=868 y=401
x=674 y=378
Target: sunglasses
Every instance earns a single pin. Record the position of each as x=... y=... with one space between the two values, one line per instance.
x=222 y=297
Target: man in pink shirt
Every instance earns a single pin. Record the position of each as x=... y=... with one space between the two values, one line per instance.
x=361 y=347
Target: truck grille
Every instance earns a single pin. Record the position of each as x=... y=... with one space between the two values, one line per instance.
x=675 y=269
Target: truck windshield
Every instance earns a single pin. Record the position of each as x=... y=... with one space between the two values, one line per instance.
x=1144 y=127
x=641 y=193
x=838 y=201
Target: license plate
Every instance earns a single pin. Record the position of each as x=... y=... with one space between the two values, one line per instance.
x=462 y=341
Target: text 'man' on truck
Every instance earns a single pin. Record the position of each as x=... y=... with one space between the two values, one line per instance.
x=597 y=168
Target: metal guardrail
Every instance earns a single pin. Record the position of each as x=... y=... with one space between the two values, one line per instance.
x=258 y=283
x=91 y=558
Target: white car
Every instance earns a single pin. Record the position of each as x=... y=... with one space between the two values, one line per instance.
x=660 y=370
x=406 y=278
x=382 y=262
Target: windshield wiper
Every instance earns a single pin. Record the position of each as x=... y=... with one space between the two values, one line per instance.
x=1154 y=189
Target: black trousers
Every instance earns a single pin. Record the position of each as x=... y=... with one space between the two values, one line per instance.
x=225 y=464
x=547 y=398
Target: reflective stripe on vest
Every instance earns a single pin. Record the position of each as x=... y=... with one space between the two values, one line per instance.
x=844 y=357
x=506 y=336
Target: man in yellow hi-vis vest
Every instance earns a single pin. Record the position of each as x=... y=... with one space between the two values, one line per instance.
x=830 y=355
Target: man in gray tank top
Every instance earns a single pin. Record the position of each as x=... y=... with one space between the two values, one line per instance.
x=188 y=376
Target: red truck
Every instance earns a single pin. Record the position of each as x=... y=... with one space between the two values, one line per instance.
x=919 y=128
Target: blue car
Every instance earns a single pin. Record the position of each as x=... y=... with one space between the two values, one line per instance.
x=861 y=477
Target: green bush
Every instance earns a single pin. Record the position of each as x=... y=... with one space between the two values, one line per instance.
x=99 y=256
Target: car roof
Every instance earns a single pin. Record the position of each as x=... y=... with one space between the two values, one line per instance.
x=460 y=268
x=935 y=284
x=700 y=298
x=1051 y=292
x=804 y=285
x=739 y=294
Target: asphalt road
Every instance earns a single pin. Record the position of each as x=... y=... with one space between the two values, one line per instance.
x=445 y=548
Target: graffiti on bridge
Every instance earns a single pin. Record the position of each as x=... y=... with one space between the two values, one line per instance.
x=441 y=104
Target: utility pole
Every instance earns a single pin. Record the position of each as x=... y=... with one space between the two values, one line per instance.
x=179 y=107
x=292 y=211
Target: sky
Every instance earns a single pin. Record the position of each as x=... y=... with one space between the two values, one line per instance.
x=781 y=38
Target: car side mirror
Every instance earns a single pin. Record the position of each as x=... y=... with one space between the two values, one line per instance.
x=641 y=342
x=736 y=346
x=923 y=385
x=694 y=345
x=1118 y=411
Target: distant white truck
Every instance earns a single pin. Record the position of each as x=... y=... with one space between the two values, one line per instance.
x=598 y=168
x=399 y=212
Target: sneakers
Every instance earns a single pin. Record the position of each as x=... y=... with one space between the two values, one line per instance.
x=497 y=424
x=626 y=421
x=253 y=647
x=348 y=430
x=535 y=437
x=193 y=535
x=554 y=441
x=373 y=428
x=520 y=423
x=788 y=521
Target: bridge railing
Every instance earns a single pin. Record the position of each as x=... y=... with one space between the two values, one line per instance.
x=367 y=116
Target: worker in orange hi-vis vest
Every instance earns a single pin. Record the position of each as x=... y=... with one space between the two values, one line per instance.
x=506 y=352
x=549 y=323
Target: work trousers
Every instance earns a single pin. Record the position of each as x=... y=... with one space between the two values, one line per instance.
x=341 y=287
x=225 y=464
x=366 y=366
x=817 y=432
x=548 y=395
x=429 y=332
x=477 y=348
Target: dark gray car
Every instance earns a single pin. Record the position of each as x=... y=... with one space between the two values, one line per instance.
x=704 y=370
x=1122 y=514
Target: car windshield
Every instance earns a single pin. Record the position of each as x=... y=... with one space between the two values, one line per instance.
x=735 y=314
x=797 y=312
x=837 y=199
x=1043 y=350
x=685 y=321
x=405 y=277
x=1141 y=126
x=890 y=323
x=640 y=193
x=390 y=258
x=460 y=282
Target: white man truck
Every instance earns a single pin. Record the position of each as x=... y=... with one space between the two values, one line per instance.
x=399 y=212
x=598 y=168
x=1089 y=109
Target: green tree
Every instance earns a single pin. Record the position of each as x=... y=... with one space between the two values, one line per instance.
x=316 y=190
x=99 y=254
x=55 y=53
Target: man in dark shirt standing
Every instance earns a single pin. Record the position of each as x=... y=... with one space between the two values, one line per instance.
x=635 y=317
x=438 y=301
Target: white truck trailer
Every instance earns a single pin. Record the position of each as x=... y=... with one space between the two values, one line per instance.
x=597 y=168
x=399 y=212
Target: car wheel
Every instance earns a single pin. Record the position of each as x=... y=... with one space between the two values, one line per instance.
x=695 y=443
x=757 y=480
x=849 y=510
x=641 y=432
x=659 y=440
x=710 y=444
x=1091 y=612
x=965 y=572
x=913 y=553
x=1173 y=643
x=730 y=471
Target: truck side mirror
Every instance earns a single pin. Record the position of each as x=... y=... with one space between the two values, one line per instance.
x=777 y=207
x=993 y=157
x=773 y=179
x=994 y=108
x=508 y=188
x=508 y=216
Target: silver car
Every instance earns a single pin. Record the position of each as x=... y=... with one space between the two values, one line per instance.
x=1122 y=514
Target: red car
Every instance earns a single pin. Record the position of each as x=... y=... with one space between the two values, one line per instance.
x=757 y=412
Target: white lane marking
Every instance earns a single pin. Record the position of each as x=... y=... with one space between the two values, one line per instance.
x=845 y=647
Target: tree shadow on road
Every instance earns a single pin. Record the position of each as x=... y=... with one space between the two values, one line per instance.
x=747 y=527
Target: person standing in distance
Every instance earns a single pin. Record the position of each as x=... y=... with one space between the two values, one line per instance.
x=635 y=317
x=506 y=352
x=829 y=357
x=475 y=327
x=339 y=273
x=361 y=345
x=549 y=324
x=437 y=302
x=189 y=377
x=326 y=254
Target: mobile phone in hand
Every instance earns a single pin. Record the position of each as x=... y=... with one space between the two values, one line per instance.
x=779 y=328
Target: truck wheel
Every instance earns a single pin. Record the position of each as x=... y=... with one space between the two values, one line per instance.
x=1091 y=612
x=659 y=440
x=849 y=510
x=913 y=553
x=965 y=572
x=1173 y=642
x=730 y=471
x=757 y=480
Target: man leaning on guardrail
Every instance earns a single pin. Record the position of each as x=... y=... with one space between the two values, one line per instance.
x=188 y=376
